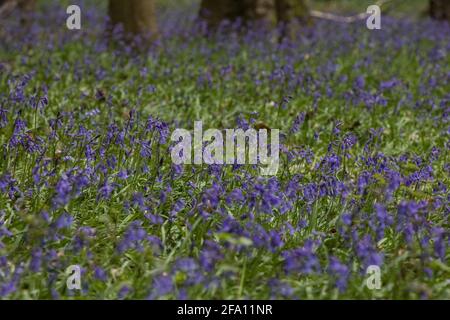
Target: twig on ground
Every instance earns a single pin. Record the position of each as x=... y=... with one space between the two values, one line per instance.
x=345 y=19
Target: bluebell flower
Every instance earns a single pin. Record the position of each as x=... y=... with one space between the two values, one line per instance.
x=161 y=285
x=100 y=274
x=340 y=272
x=64 y=221
x=36 y=260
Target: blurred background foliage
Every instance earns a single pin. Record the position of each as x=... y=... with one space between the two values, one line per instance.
x=400 y=8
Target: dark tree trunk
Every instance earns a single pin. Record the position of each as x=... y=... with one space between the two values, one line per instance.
x=216 y=11
x=268 y=11
x=136 y=16
x=27 y=5
x=288 y=10
x=260 y=10
x=440 y=9
x=290 y=13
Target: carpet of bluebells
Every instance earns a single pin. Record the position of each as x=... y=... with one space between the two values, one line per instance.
x=86 y=176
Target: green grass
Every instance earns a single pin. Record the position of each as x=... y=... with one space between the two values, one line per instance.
x=176 y=90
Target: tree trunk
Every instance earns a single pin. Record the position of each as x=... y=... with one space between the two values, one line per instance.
x=260 y=10
x=291 y=13
x=27 y=5
x=213 y=12
x=440 y=9
x=268 y=11
x=289 y=10
x=136 y=16
x=216 y=11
